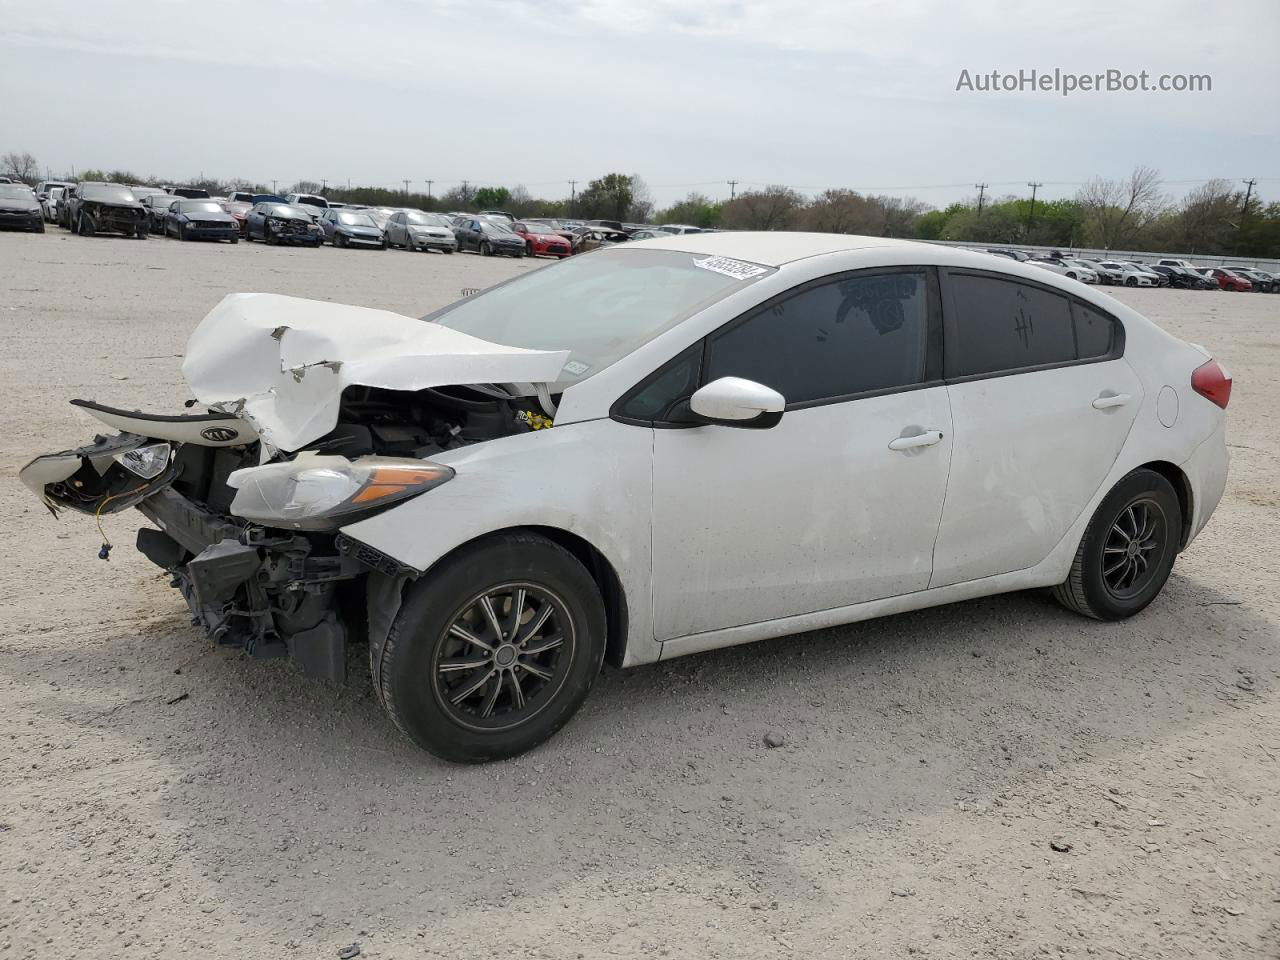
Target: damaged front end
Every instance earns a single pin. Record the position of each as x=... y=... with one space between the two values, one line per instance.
x=316 y=432
x=97 y=217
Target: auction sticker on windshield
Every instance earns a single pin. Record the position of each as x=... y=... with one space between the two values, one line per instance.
x=738 y=269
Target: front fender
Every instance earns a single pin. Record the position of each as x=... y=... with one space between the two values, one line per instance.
x=593 y=479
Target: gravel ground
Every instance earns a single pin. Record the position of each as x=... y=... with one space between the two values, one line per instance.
x=997 y=778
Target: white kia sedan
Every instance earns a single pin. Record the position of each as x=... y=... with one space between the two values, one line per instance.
x=656 y=449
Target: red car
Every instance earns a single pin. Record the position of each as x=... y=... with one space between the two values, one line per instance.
x=1228 y=280
x=541 y=241
x=240 y=211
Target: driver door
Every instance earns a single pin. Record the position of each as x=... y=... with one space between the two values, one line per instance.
x=837 y=503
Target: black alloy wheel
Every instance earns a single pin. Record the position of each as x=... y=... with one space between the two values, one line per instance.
x=494 y=650
x=1127 y=551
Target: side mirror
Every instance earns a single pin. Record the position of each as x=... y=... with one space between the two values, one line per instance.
x=735 y=402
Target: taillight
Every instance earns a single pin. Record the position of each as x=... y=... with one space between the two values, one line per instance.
x=1212 y=382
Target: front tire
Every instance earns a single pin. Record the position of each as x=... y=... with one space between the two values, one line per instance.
x=495 y=651
x=1128 y=549
x=484 y=250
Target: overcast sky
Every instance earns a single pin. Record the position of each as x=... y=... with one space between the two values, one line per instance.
x=687 y=94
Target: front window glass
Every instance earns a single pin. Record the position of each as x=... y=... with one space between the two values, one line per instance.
x=854 y=335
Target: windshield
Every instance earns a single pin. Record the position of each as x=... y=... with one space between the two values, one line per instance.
x=200 y=206
x=599 y=307
x=284 y=210
x=108 y=193
x=426 y=219
x=356 y=219
x=538 y=228
x=312 y=201
x=15 y=191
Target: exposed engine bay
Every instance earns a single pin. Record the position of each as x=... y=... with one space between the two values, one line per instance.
x=286 y=588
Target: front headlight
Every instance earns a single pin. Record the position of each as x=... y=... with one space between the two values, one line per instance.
x=146 y=462
x=322 y=492
x=273 y=224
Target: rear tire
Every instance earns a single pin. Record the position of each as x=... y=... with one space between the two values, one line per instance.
x=449 y=679
x=1109 y=578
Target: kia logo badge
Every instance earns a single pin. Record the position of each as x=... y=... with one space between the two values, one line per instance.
x=219 y=434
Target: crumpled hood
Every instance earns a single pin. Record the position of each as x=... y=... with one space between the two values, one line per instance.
x=282 y=362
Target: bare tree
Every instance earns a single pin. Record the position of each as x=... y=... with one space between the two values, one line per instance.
x=773 y=208
x=1207 y=218
x=21 y=166
x=1115 y=210
x=842 y=211
x=898 y=215
x=641 y=208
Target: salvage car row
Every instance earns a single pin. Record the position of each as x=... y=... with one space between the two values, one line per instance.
x=190 y=213
x=1166 y=272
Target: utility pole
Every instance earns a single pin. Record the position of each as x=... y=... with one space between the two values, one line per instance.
x=733 y=190
x=465 y=191
x=324 y=184
x=982 y=194
x=429 y=183
x=1247 y=194
x=406 y=188
x=273 y=187
x=573 y=195
x=1031 y=219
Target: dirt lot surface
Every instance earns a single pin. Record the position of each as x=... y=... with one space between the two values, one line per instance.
x=160 y=798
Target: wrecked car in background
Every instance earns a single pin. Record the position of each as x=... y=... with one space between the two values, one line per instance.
x=664 y=447
x=282 y=223
x=107 y=208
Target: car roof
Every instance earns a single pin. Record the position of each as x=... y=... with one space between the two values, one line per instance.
x=773 y=248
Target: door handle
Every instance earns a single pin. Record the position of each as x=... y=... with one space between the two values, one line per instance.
x=926 y=439
x=1112 y=400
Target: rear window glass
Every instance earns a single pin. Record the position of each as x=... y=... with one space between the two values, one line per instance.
x=998 y=325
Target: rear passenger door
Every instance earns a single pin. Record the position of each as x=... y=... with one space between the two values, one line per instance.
x=1041 y=401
